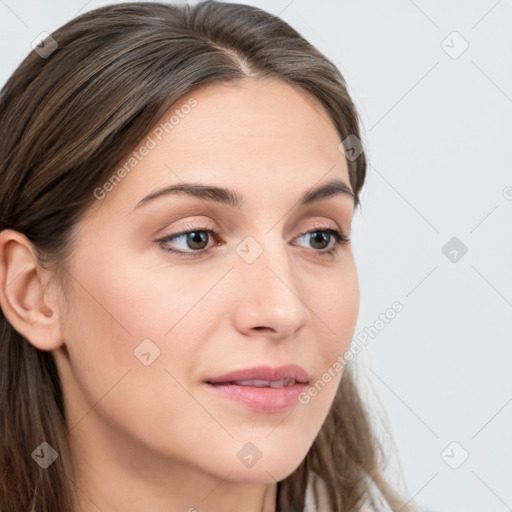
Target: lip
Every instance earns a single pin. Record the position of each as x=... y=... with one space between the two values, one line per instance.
x=268 y=400
x=262 y=399
x=288 y=371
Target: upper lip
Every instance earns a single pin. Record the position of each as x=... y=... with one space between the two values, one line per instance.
x=287 y=372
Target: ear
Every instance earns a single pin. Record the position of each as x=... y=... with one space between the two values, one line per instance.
x=24 y=292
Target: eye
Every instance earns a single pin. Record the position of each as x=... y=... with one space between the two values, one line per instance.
x=321 y=236
x=195 y=239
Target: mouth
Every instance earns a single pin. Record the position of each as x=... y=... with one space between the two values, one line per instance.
x=262 y=388
x=258 y=383
x=263 y=376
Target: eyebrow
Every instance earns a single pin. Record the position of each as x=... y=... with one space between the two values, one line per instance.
x=235 y=199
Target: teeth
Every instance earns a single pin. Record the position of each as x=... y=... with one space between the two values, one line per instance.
x=254 y=382
x=265 y=383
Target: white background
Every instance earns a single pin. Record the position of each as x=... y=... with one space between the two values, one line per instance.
x=438 y=136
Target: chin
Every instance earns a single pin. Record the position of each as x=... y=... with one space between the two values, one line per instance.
x=267 y=465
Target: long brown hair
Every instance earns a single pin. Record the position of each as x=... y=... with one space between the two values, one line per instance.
x=67 y=119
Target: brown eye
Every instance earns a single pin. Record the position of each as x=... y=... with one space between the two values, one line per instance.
x=195 y=239
x=320 y=237
x=192 y=241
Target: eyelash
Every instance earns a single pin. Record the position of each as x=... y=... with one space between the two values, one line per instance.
x=340 y=239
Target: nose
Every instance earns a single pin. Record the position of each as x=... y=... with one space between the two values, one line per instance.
x=271 y=297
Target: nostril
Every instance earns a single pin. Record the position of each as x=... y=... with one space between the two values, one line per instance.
x=262 y=328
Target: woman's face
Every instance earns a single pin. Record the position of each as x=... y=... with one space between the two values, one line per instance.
x=144 y=328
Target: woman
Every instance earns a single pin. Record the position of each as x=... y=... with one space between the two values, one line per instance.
x=178 y=287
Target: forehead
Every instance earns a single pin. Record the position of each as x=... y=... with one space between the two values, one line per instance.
x=258 y=135
x=254 y=112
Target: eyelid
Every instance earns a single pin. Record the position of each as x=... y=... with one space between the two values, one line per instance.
x=205 y=225
x=338 y=234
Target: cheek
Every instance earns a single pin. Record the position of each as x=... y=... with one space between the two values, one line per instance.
x=110 y=314
x=338 y=311
x=113 y=309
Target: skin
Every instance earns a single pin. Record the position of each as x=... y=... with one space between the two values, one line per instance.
x=152 y=437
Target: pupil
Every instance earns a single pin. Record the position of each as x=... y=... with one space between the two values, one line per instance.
x=197 y=237
x=323 y=236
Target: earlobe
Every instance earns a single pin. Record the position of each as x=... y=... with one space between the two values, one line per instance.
x=23 y=283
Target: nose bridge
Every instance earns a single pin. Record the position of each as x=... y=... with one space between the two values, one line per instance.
x=269 y=295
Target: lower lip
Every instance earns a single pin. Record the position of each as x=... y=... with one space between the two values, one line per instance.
x=261 y=399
